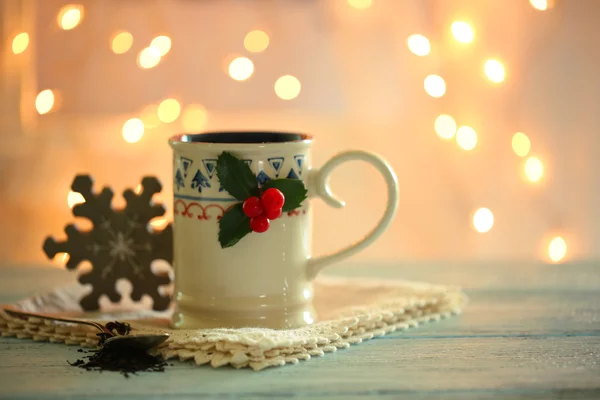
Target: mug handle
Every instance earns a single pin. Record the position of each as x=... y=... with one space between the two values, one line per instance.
x=319 y=183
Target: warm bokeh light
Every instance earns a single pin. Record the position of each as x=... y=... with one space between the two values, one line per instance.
x=133 y=130
x=462 y=31
x=241 y=68
x=287 y=87
x=256 y=41
x=121 y=42
x=149 y=57
x=74 y=198
x=435 y=86
x=540 y=4
x=360 y=4
x=483 y=220
x=70 y=16
x=193 y=118
x=44 y=101
x=162 y=43
x=419 y=45
x=557 y=249
x=168 y=110
x=20 y=43
x=494 y=70
x=149 y=116
x=521 y=144
x=445 y=126
x=534 y=169
x=466 y=137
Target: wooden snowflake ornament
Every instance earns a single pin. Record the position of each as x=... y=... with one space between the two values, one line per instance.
x=120 y=245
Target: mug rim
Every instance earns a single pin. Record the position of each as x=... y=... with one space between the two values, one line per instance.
x=295 y=138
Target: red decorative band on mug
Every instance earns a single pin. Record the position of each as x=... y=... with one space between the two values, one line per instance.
x=205 y=212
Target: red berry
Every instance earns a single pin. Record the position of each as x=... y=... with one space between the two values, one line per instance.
x=272 y=199
x=273 y=214
x=259 y=224
x=252 y=207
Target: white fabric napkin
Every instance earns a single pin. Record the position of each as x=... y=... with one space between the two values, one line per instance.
x=350 y=310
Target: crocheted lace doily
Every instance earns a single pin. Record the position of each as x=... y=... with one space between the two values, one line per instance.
x=350 y=311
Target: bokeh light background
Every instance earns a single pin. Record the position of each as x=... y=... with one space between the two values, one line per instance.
x=486 y=109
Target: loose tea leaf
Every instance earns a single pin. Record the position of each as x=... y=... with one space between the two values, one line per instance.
x=124 y=360
x=121 y=328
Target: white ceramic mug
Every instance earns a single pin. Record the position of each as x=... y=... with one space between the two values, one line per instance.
x=265 y=279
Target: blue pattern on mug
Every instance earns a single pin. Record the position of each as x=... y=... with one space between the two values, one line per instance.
x=206 y=174
x=299 y=161
x=200 y=181
x=276 y=163
x=210 y=164
x=292 y=174
x=186 y=163
x=262 y=177
x=179 y=182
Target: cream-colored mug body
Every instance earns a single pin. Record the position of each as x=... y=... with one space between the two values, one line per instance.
x=265 y=279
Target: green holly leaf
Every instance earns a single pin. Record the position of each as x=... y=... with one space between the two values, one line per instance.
x=236 y=177
x=293 y=190
x=233 y=226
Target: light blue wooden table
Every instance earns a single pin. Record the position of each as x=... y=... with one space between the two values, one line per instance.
x=530 y=331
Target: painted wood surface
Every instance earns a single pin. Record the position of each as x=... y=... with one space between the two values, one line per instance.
x=530 y=331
